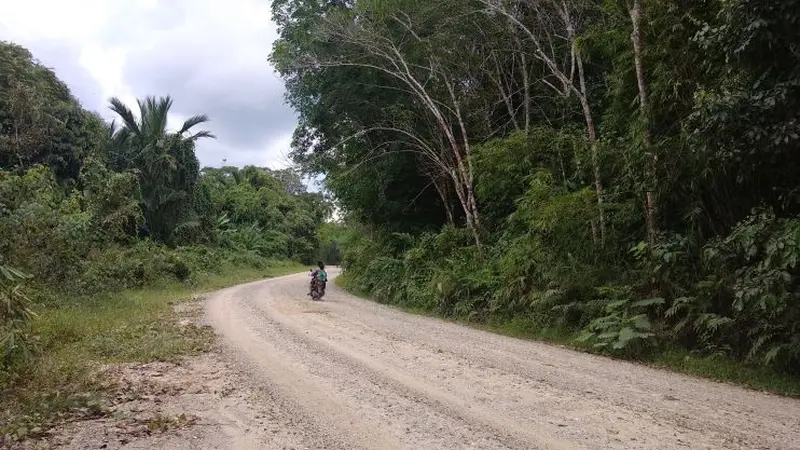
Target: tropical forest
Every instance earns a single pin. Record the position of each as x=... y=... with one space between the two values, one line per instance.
x=618 y=175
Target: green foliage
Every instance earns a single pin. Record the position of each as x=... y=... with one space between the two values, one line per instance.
x=47 y=232
x=626 y=322
x=164 y=162
x=143 y=264
x=16 y=341
x=264 y=211
x=85 y=240
x=112 y=201
x=40 y=121
x=748 y=305
x=331 y=236
x=504 y=166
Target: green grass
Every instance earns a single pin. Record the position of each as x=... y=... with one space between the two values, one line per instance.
x=717 y=368
x=80 y=335
x=726 y=370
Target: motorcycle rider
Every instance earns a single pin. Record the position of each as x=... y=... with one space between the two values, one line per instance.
x=318 y=275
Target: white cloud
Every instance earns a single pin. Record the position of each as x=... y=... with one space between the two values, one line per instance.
x=45 y=19
x=78 y=26
x=278 y=152
x=211 y=55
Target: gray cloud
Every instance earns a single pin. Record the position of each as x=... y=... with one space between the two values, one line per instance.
x=222 y=72
x=209 y=55
x=161 y=18
x=245 y=106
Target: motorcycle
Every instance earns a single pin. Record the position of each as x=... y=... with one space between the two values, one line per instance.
x=316 y=288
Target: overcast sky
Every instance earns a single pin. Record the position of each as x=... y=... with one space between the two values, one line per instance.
x=209 y=55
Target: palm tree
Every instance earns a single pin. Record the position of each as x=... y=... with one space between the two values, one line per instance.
x=165 y=161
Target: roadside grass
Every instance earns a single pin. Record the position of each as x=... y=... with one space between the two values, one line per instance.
x=675 y=359
x=78 y=336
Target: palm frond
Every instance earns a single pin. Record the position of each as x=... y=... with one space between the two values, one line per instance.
x=119 y=148
x=186 y=225
x=143 y=107
x=155 y=112
x=192 y=122
x=202 y=134
x=162 y=108
x=125 y=113
x=112 y=128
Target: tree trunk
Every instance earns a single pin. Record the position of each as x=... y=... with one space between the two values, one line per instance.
x=445 y=200
x=576 y=62
x=467 y=172
x=592 y=134
x=526 y=85
x=635 y=10
x=507 y=100
x=466 y=197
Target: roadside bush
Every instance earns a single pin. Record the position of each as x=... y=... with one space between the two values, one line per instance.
x=748 y=304
x=624 y=325
x=116 y=268
x=45 y=232
x=147 y=263
x=16 y=341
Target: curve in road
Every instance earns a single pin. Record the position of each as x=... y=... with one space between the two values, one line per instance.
x=350 y=373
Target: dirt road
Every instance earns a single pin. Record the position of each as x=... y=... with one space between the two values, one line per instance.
x=347 y=373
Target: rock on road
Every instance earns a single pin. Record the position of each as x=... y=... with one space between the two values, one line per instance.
x=347 y=373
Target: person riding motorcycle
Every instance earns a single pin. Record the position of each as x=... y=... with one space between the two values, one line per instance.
x=319 y=279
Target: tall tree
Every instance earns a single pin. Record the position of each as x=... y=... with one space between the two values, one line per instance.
x=40 y=121
x=394 y=121
x=165 y=162
x=553 y=27
x=637 y=39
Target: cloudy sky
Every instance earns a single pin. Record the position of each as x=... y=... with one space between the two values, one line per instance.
x=209 y=55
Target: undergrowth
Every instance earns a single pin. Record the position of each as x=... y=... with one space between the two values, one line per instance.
x=77 y=336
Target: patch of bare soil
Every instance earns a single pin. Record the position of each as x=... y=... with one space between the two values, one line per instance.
x=199 y=402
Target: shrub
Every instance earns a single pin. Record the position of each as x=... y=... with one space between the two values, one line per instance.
x=16 y=342
x=145 y=263
x=625 y=325
x=748 y=304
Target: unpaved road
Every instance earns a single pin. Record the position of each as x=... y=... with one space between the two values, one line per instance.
x=347 y=373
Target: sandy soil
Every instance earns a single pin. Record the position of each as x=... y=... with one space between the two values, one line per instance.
x=350 y=374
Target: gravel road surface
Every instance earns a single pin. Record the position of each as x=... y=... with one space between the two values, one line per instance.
x=351 y=374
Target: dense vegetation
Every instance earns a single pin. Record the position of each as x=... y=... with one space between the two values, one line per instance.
x=89 y=208
x=623 y=169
